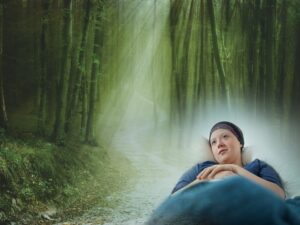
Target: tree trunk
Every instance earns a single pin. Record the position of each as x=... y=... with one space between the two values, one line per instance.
x=60 y=117
x=201 y=84
x=153 y=83
x=97 y=47
x=3 y=119
x=281 y=64
x=251 y=46
x=176 y=7
x=295 y=106
x=269 y=17
x=80 y=65
x=43 y=71
x=84 y=106
x=183 y=76
x=210 y=9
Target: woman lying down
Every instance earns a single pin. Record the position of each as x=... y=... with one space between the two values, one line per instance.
x=250 y=194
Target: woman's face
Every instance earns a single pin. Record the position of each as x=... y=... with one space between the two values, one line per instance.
x=225 y=146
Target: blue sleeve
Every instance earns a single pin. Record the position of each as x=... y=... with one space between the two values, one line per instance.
x=190 y=175
x=269 y=173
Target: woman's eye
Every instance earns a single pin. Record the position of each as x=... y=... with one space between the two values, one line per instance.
x=213 y=142
x=225 y=136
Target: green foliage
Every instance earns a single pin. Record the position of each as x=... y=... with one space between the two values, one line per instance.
x=69 y=191
x=27 y=193
x=34 y=172
x=97 y=61
x=27 y=169
x=3 y=167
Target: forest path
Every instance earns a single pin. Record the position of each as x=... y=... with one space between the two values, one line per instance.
x=155 y=178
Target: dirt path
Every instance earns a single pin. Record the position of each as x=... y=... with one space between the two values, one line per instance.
x=155 y=178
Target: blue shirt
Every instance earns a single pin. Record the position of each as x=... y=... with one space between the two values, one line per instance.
x=257 y=167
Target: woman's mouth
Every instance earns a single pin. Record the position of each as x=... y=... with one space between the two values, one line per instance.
x=222 y=151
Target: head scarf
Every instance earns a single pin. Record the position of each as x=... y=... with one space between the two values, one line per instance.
x=231 y=127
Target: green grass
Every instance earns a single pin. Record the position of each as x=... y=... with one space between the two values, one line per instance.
x=35 y=173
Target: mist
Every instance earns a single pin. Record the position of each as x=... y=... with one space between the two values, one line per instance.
x=136 y=117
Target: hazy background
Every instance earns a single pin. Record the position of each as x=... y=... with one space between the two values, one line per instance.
x=147 y=79
x=158 y=89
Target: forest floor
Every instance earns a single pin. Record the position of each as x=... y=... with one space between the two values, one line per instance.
x=88 y=185
x=42 y=183
x=96 y=192
x=153 y=183
x=150 y=180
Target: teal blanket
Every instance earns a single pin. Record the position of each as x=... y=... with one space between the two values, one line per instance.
x=232 y=201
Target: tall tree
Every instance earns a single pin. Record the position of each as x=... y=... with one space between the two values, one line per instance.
x=269 y=29
x=177 y=7
x=200 y=72
x=281 y=59
x=97 y=43
x=295 y=95
x=89 y=134
x=42 y=46
x=3 y=119
x=216 y=52
x=250 y=13
x=84 y=103
x=61 y=97
x=79 y=63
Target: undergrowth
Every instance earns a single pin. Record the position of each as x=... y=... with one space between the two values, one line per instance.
x=34 y=173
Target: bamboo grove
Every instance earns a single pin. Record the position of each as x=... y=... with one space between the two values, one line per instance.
x=54 y=58
x=236 y=52
x=50 y=66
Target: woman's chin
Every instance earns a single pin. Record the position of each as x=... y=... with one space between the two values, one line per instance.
x=223 y=160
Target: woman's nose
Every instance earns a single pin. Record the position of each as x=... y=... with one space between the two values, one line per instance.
x=220 y=144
